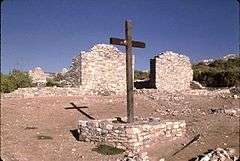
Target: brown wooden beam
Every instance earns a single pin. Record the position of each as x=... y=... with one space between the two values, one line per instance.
x=129 y=44
x=117 y=41
x=129 y=72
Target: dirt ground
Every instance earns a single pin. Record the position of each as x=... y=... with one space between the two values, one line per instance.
x=23 y=121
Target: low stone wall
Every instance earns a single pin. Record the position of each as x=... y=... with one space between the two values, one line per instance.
x=70 y=91
x=156 y=93
x=132 y=137
x=44 y=92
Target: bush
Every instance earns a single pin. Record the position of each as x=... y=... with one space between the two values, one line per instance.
x=140 y=75
x=7 y=85
x=14 y=80
x=220 y=73
x=57 y=80
x=52 y=83
x=58 y=77
x=20 y=79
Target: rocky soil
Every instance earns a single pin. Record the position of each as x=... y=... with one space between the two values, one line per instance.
x=43 y=128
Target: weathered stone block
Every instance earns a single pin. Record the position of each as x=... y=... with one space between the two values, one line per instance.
x=102 y=70
x=171 y=72
x=133 y=137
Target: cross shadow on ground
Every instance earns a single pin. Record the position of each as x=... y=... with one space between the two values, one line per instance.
x=119 y=120
x=79 y=109
x=74 y=132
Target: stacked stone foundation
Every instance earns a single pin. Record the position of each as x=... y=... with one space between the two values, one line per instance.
x=131 y=137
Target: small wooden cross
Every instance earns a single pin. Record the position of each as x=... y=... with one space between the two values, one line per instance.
x=129 y=43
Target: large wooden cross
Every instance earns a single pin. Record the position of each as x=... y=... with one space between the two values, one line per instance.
x=129 y=43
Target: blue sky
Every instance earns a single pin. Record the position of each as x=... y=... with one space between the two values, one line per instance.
x=49 y=33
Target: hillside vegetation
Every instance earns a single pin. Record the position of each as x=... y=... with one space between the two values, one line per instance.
x=219 y=73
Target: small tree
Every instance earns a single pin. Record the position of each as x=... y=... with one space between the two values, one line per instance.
x=14 y=80
x=20 y=79
x=7 y=85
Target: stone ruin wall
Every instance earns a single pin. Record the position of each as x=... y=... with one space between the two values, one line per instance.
x=45 y=92
x=171 y=72
x=132 y=137
x=103 y=68
x=38 y=76
x=79 y=91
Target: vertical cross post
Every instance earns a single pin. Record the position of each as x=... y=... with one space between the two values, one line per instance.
x=129 y=44
x=129 y=71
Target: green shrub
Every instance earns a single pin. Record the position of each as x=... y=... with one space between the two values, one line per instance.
x=140 y=75
x=57 y=80
x=7 y=85
x=14 y=80
x=20 y=79
x=52 y=83
x=220 y=73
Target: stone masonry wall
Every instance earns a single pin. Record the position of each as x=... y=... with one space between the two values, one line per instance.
x=101 y=68
x=44 y=92
x=132 y=137
x=171 y=72
x=38 y=75
x=71 y=91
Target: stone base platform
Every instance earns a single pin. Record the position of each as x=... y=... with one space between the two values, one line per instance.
x=132 y=137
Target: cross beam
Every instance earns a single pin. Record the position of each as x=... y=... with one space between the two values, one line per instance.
x=129 y=43
x=137 y=44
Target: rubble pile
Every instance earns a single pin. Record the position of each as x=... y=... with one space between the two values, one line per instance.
x=235 y=91
x=196 y=85
x=231 y=112
x=135 y=157
x=219 y=154
x=44 y=92
x=157 y=94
